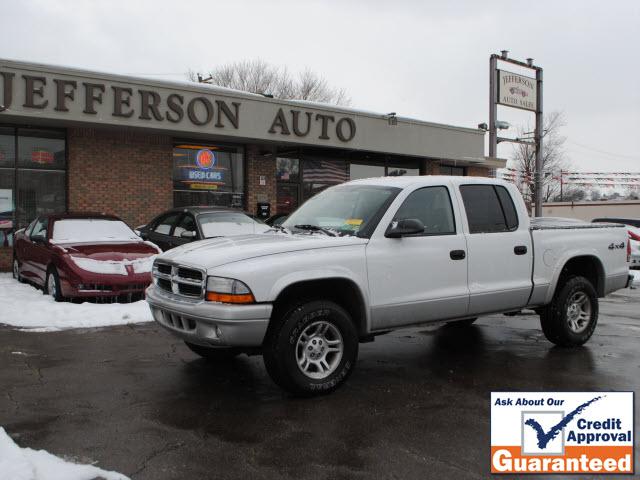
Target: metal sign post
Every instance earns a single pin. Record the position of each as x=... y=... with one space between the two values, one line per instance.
x=517 y=91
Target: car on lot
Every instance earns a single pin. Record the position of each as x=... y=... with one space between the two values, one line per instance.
x=83 y=255
x=183 y=225
x=369 y=256
x=633 y=228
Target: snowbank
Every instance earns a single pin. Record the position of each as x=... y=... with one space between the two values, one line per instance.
x=25 y=464
x=24 y=306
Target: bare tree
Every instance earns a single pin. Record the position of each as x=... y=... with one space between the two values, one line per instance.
x=258 y=76
x=554 y=159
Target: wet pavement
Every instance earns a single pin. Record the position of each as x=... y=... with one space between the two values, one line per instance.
x=138 y=402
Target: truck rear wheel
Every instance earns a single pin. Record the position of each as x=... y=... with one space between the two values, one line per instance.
x=571 y=318
x=312 y=348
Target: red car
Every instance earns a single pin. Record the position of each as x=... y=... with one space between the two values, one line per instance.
x=83 y=255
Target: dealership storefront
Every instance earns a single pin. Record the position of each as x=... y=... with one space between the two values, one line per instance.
x=74 y=140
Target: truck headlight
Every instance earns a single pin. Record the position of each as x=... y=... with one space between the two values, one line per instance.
x=228 y=290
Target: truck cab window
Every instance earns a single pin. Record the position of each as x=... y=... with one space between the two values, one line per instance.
x=484 y=209
x=432 y=206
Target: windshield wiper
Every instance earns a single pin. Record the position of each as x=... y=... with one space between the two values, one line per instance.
x=278 y=228
x=316 y=228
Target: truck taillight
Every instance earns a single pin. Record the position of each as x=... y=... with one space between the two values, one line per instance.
x=628 y=250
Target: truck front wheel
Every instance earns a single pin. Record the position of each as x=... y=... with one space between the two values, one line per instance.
x=571 y=318
x=312 y=348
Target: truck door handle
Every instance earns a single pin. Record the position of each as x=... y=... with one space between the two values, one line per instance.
x=457 y=254
x=520 y=250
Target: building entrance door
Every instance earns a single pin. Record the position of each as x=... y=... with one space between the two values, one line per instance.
x=288 y=197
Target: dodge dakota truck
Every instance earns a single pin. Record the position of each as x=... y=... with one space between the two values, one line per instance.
x=369 y=256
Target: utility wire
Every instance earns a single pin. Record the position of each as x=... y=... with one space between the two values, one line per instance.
x=634 y=157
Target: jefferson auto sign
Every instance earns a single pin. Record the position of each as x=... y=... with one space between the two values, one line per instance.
x=516 y=90
x=80 y=99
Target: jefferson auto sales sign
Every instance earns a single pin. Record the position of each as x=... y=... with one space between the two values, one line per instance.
x=516 y=90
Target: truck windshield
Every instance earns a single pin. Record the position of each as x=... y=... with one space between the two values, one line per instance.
x=342 y=210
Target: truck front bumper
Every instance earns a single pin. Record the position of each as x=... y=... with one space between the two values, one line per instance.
x=210 y=324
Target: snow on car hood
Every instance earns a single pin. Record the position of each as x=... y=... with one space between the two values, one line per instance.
x=220 y=251
x=113 y=258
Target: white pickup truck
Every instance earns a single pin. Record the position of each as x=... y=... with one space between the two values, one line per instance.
x=370 y=256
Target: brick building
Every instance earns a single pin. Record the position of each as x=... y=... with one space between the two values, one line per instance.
x=73 y=140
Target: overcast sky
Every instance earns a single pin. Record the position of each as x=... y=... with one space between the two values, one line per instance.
x=423 y=59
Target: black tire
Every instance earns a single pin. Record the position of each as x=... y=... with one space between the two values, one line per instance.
x=467 y=322
x=281 y=348
x=16 y=269
x=52 y=276
x=217 y=354
x=556 y=318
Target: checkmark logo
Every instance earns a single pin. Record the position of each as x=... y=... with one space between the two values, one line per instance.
x=545 y=437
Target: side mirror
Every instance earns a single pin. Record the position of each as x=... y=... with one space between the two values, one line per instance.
x=407 y=226
x=140 y=230
x=39 y=238
x=188 y=235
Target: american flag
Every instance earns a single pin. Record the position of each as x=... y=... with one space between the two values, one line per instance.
x=325 y=171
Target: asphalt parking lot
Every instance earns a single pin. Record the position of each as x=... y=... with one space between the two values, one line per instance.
x=134 y=400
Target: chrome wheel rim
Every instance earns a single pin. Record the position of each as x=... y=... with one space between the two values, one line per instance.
x=51 y=285
x=319 y=350
x=16 y=270
x=579 y=312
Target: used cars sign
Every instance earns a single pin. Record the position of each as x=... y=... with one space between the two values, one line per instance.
x=516 y=90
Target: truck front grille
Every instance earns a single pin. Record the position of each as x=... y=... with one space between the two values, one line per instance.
x=190 y=274
x=179 y=280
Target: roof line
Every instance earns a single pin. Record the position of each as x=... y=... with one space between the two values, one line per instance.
x=208 y=88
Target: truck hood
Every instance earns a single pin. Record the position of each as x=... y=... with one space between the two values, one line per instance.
x=220 y=251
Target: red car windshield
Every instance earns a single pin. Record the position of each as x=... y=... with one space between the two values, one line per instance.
x=91 y=230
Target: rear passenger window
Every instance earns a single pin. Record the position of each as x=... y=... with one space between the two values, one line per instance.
x=489 y=209
x=432 y=206
x=508 y=207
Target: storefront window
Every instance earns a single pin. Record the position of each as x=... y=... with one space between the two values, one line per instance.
x=7 y=147
x=35 y=183
x=318 y=174
x=359 y=170
x=287 y=169
x=451 y=170
x=6 y=205
x=39 y=192
x=40 y=150
x=404 y=168
x=208 y=175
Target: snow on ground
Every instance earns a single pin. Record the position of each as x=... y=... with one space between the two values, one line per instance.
x=26 y=307
x=26 y=464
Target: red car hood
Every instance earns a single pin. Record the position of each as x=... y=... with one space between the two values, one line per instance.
x=117 y=251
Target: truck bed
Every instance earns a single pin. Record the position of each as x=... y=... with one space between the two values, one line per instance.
x=559 y=223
